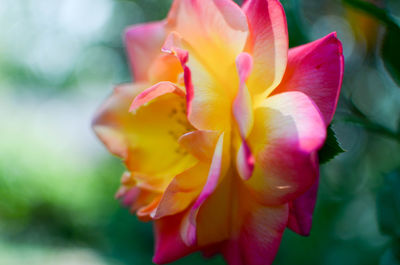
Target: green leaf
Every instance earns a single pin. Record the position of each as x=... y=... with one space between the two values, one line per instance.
x=390 y=53
x=388 y=203
x=331 y=147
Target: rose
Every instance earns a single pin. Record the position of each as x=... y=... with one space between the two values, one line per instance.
x=220 y=131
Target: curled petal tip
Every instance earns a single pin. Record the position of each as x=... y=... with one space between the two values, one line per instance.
x=154 y=92
x=172 y=45
x=244 y=65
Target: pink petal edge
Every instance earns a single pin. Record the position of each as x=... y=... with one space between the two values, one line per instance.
x=188 y=231
x=153 y=92
x=316 y=69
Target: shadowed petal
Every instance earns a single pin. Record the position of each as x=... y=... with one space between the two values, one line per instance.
x=200 y=144
x=302 y=209
x=288 y=129
x=259 y=238
x=169 y=245
x=182 y=191
x=188 y=231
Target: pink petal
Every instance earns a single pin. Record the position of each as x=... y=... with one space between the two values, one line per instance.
x=259 y=237
x=243 y=112
x=154 y=92
x=169 y=245
x=316 y=69
x=143 y=43
x=267 y=43
x=242 y=106
x=301 y=210
x=245 y=161
x=189 y=229
x=288 y=129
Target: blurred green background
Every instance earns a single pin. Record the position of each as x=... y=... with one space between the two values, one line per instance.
x=60 y=59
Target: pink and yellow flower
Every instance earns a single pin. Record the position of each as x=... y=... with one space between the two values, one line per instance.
x=220 y=130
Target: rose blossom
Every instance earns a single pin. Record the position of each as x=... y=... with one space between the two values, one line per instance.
x=220 y=130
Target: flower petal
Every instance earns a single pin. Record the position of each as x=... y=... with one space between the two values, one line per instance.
x=242 y=106
x=165 y=67
x=200 y=144
x=148 y=139
x=208 y=105
x=245 y=161
x=214 y=218
x=316 y=69
x=288 y=129
x=243 y=113
x=112 y=121
x=301 y=211
x=154 y=92
x=267 y=43
x=220 y=30
x=169 y=245
x=143 y=43
x=258 y=240
x=182 y=191
x=188 y=231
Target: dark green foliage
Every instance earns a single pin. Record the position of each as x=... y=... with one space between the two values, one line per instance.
x=391 y=257
x=391 y=41
x=389 y=205
x=331 y=147
x=391 y=54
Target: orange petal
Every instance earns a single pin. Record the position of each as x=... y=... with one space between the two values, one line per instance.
x=200 y=144
x=182 y=191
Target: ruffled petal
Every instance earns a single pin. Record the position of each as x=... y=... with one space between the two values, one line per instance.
x=267 y=43
x=143 y=43
x=288 y=129
x=148 y=139
x=316 y=69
